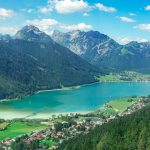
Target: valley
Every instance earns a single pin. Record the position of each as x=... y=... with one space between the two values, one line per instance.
x=55 y=66
x=74 y=75
x=56 y=88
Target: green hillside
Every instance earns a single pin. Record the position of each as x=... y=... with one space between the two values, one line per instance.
x=126 y=133
x=26 y=67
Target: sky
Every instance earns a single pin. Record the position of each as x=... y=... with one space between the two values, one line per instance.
x=122 y=20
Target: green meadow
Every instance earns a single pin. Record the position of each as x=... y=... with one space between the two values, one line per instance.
x=19 y=128
x=120 y=105
x=109 y=111
x=109 y=78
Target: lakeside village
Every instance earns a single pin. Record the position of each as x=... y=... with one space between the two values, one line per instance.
x=64 y=127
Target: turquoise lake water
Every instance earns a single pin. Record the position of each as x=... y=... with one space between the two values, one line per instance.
x=86 y=98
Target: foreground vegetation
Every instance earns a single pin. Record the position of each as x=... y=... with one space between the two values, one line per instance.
x=125 y=133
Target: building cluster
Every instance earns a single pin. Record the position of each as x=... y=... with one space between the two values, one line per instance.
x=136 y=106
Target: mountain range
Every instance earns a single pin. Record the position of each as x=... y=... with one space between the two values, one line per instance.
x=31 y=61
x=104 y=52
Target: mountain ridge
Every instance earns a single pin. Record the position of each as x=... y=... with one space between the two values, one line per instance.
x=104 y=52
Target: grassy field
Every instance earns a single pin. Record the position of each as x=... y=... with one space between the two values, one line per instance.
x=120 y=105
x=108 y=111
x=19 y=128
x=109 y=78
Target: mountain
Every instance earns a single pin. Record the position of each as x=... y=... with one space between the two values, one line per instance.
x=32 y=33
x=130 y=132
x=5 y=37
x=104 y=52
x=85 y=43
x=135 y=56
x=32 y=61
x=92 y=45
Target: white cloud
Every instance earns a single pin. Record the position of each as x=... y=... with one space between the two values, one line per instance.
x=147 y=8
x=47 y=25
x=45 y=10
x=104 y=8
x=132 y=14
x=86 y=15
x=126 y=40
x=144 y=27
x=126 y=19
x=69 y=6
x=80 y=26
x=30 y=10
x=43 y=24
x=6 y=13
x=8 y=30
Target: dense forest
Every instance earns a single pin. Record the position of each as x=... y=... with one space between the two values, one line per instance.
x=125 y=133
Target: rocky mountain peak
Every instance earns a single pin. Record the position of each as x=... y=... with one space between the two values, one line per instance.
x=32 y=33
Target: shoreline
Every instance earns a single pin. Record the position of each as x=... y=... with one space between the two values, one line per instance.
x=70 y=88
x=56 y=114
x=45 y=115
x=49 y=115
x=28 y=116
x=124 y=81
x=51 y=90
x=67 y=88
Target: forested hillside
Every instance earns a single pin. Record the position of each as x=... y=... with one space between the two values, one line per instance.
x=127 y=133
x=35 y=62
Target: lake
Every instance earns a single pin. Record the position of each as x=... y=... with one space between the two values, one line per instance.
x=84 y=99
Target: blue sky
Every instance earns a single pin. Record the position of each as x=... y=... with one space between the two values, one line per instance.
x=123 y=20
